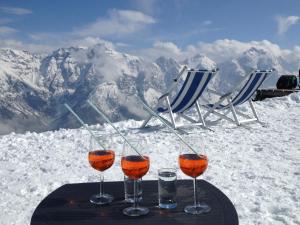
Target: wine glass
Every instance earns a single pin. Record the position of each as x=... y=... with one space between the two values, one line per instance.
x=135 y=165
x=101 y=159
x=193 y=162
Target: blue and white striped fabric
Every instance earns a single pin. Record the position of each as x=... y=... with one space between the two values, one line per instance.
x=252 y=84
x=192 y=88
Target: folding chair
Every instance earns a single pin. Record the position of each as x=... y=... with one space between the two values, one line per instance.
x=192 y=88
x=240 y=94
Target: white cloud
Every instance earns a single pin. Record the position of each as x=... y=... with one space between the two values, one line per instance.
x=5 y=20
x=148 y=6
x=219 y=50
x=122 y=45
x=53 y=43
x=19 y=45
x=15 y=10
x=7 y=30
x=284 y=23
x=167 y=49
x=207 y=22
x=203 y=27
x=225 y=49
x=131 y=15
x=119 y=23
x=48 y=47
x=88 y=42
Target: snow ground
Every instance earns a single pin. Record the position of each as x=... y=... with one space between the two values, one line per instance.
x=257 y=168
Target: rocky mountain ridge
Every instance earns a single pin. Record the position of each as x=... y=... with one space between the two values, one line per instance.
x=34 y=87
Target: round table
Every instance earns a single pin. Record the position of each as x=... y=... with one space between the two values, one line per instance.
x=70 y=204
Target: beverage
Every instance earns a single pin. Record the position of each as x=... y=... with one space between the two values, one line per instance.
x=129 y=189
x=193 y=165
x=101 y=159
x=167 y=188
x=193 y=162
x=135 y=166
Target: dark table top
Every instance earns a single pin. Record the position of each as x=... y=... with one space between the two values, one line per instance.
x=70 y=204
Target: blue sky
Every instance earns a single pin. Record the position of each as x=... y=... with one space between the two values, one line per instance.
x=140 y=24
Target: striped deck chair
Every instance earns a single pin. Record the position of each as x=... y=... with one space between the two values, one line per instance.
x=193 y=86
x=239 y=95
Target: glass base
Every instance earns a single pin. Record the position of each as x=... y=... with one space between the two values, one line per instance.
x=101 y=199
x=198 y=209
x=138 y=211
x=168 y=206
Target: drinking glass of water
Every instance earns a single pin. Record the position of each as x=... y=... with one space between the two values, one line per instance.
x=167 y=188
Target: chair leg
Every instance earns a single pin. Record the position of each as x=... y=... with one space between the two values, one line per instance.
x=212 y=109
x=146 y=121
x=187 y=118
x=253 y=110
x=170 y=112
x=200 y=115
x=233 y=112
x=222 y=116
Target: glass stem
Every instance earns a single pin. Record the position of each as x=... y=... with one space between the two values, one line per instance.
x=101 y=183
x=195 y=192
x=135 y=193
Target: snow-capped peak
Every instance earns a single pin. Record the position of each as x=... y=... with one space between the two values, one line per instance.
x=200 y=61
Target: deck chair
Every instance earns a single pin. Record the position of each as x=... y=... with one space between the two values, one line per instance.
x=239 y=95
x=192 y=88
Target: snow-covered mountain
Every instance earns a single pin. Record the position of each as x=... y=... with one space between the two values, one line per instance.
x=200 y=61
x=253 y=58
x=34 y=87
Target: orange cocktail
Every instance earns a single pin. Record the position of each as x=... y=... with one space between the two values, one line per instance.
x=193 y=165
x=135 y=166
x=101 y=159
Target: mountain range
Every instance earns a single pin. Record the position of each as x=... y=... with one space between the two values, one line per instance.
x=35 y=87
